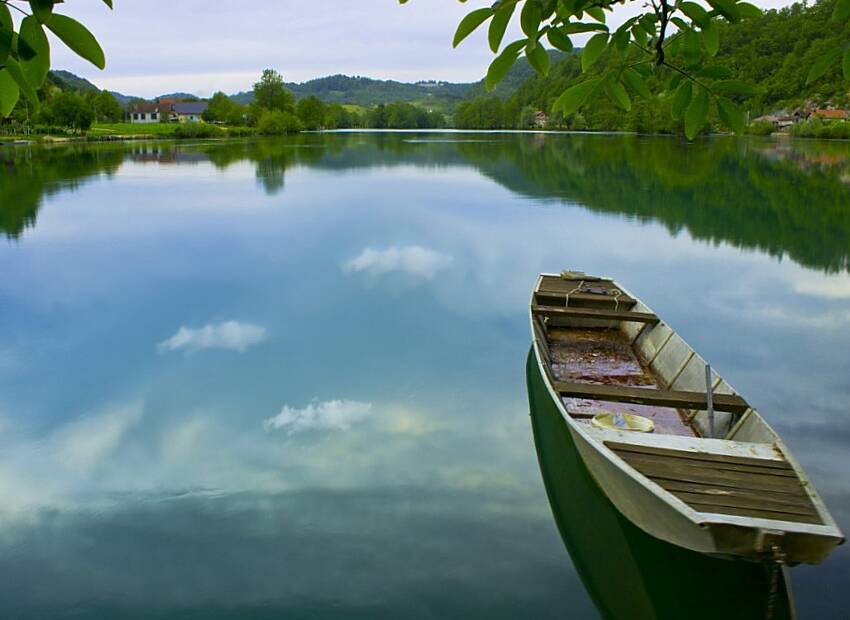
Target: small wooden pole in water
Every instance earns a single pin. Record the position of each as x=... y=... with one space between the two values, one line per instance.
x=709 y=401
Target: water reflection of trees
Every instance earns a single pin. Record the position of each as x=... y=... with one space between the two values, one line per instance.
x=28 y=176
x=784 y=198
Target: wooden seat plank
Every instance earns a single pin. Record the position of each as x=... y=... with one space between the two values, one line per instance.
x=676 y=461
x=755 y=513
x=727 y=479
x=775 y=497
x=703 y=456
x=594 y=313
x=643 y=396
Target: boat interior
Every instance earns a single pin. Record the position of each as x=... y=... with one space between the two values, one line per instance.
x=607 y=355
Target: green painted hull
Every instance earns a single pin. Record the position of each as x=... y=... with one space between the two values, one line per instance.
x=628 y=573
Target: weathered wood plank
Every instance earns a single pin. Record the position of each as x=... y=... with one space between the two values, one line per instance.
x=740 y=501
x=594 y=313
x=674 y=461
x=701 y=456
x=755 y=513
x=777 y=497
x=735 y=480
x=642 y=396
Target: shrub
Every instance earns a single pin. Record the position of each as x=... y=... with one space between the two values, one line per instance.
x=198 y=130
x=276 y=122
x=760 y=128
x=816 y=128
x=239 y=132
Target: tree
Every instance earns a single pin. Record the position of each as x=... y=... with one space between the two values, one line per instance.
x=271 y=94
x=311 y=111
x=670 y=46
x=25 y=54
x=106 y=107
x=274 y=122
x=68 y=109
x=222 y=109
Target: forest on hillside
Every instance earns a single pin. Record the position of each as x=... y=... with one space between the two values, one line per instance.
x=773 y=53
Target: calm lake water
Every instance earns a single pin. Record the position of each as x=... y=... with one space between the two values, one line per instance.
x=286 y=378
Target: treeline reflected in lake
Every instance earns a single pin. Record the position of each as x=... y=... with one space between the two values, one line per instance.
x=785 y=198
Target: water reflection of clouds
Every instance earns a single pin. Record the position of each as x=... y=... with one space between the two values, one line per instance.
x=413 y=260
x=228 y=335
x=327 y=415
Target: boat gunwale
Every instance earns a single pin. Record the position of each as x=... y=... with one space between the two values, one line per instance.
x=593 y=437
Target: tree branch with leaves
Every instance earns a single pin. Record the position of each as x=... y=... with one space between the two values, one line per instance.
x=25 y=53
x=670 y=45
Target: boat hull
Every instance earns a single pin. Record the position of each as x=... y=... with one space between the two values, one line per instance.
x=627 y=572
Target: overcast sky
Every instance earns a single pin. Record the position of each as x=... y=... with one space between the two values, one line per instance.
x=200 y=46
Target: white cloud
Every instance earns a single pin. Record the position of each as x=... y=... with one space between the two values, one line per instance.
x=414 y=260
x=327 y=415
x=230 y=335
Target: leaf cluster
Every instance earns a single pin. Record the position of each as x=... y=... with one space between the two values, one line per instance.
x=25 y=53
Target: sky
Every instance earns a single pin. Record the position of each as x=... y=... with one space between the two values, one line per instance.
x=201 y=46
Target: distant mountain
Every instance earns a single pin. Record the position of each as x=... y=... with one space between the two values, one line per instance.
x=68 y=81
x=356 y=90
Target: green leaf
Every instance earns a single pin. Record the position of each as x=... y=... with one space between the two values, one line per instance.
x=748 y=10
x=470 y=23
x=621 y=40
x=78 y=38
x=635 y=81
x=717 y=73
x=711 y=38
x=9 y=93
x=538 y=59
x=6 y=37
x=593 y=50
x=727 y=8
x=530 y=18
x=108 y=3
x=696 y=114
x=573 y=98
x=559 y=40
x=42 y=9
x=21 y=48
x=845 y=65
x=697 y=14
x=502 y=64
x=6 y=18
x=578 y=27
x=25 y=87
x=37 y=67
x=618 y=94
x=640 y=36
x=499 y=24
x=841 y=11
x=823 y=64
x=681 y=99
x=731 y=115
x=596 y=13
x=691 y=50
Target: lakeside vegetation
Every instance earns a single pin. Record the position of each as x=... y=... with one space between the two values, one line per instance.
x=764 y=66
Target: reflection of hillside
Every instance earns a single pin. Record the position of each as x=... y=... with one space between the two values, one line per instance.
x=723 y=191
x=781 y=198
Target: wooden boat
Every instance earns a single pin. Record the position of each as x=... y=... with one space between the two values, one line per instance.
x=627 y=572
x=712 y=476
